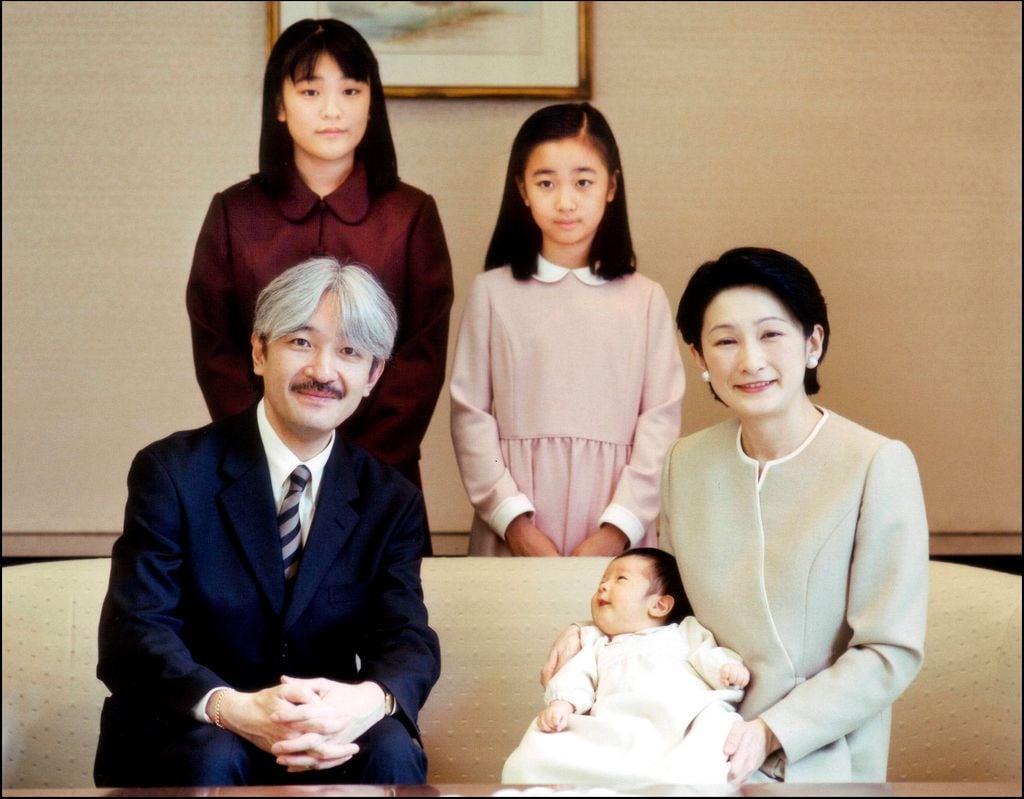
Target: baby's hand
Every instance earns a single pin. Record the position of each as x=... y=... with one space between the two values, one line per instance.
x=555 y=717
x=734 y=675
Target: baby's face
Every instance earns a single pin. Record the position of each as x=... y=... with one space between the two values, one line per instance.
x=624 y=600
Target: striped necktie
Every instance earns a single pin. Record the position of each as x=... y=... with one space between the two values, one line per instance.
x=288 y=521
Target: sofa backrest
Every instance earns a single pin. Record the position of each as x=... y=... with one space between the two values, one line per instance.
x=960 y=720
x=51 y=697
x=496 y=617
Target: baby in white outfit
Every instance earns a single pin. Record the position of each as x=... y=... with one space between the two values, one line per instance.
x=648 y=698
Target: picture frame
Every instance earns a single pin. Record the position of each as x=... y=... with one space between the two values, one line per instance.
x=464 y=49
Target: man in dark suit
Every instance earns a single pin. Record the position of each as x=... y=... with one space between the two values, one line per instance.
x=264 y=621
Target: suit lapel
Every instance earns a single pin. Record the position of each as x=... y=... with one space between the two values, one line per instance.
x=248 y=501
x=333 y=524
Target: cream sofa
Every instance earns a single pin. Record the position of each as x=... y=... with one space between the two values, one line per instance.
x=959 y=721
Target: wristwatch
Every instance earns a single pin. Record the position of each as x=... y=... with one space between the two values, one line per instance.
x=390 y=706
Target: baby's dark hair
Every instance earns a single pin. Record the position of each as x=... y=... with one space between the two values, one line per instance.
x=665 y=579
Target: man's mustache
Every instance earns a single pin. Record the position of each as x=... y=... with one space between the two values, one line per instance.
x=325 y=388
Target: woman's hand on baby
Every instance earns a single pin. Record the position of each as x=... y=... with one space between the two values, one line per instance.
x=555 y=717
x=562 y=651
x=734 y=675
x=747 y=747
x=525 y=539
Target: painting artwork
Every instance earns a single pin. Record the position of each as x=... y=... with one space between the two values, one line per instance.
x=462 y=49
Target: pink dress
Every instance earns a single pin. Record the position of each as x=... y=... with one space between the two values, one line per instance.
x=566 y=393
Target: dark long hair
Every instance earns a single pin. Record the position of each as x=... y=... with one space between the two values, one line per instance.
x=294 y=57
x=665 y=579
x=789 y=281
x=517 y=239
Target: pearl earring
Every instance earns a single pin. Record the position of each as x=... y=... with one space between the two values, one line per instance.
x=812 y=362
x=706 y=376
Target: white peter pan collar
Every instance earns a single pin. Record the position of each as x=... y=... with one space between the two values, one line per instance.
x=548 y=272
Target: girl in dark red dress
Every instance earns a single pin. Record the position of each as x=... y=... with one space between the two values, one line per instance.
x=327 y=184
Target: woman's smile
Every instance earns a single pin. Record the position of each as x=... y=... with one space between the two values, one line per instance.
x=753 y=388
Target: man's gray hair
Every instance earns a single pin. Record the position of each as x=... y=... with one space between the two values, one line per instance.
x=368 y=317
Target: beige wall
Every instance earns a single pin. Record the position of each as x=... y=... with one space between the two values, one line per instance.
x=878 y=142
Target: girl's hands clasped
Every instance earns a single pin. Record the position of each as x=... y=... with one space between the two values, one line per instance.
x=607 y=542
x=524 y=538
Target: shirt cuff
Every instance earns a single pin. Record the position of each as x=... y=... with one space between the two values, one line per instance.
x=199 y=710
x=625 y=520
x=508 y=510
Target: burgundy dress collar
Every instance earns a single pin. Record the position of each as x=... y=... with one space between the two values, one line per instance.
x=350 y=202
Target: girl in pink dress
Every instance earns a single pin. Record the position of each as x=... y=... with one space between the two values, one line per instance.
x=567 y=385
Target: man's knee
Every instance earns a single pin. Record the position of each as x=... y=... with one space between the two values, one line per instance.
x=207 y=755
x=155 y=752
x=388 y=755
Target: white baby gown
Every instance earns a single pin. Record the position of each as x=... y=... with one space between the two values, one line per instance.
x=658 y=713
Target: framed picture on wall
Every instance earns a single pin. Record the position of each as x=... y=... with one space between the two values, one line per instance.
x=464 y=49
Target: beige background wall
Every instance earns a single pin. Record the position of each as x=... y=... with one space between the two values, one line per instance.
x=878 y=142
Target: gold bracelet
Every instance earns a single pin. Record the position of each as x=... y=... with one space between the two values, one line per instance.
x=216 y=707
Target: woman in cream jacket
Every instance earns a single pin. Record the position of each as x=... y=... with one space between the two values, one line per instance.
x=801 y=536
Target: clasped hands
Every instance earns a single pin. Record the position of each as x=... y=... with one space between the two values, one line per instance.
x=306 y=723
x=524 y=538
